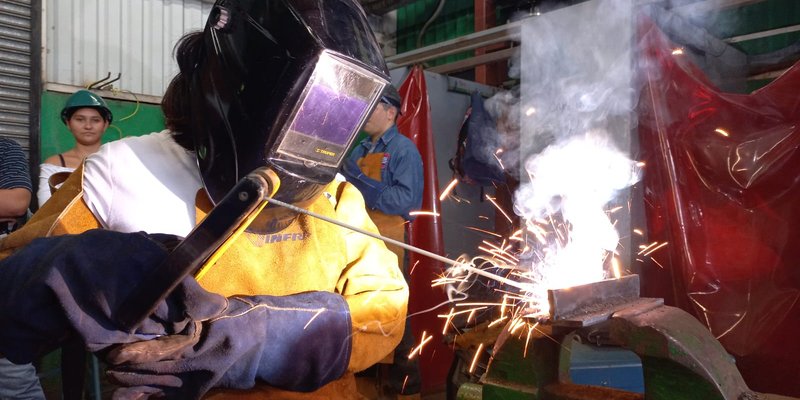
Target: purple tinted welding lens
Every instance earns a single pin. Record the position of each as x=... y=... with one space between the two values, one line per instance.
x=329 y=115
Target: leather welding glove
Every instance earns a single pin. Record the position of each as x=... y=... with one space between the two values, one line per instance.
x=298 y=342
x=369 y=188
x=57 y=287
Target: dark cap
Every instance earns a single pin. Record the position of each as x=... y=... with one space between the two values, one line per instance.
x=391 y=96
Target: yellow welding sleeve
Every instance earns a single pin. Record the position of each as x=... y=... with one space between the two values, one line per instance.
x=372 y=284
x=64 y=213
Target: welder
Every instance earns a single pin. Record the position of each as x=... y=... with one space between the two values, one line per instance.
x=292 y=304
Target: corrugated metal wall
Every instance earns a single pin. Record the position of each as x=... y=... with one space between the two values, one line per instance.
x=15 y=70
x=87 y=39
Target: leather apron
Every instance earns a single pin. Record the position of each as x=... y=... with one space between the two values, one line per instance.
x=391 y=226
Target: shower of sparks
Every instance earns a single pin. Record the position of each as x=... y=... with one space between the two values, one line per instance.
x=448 y=189
x=560 y=239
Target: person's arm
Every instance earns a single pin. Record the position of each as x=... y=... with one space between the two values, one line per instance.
x=372 y=285
x=14 y=202
x=15 y=181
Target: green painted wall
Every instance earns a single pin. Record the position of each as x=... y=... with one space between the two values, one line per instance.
x=130 y=119
x=456 y=19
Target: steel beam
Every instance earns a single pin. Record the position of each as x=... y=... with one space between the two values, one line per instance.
x=472 y=41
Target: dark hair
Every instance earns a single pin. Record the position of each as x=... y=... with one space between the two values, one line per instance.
x=176 y=103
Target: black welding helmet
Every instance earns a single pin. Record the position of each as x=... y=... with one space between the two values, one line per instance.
x=286 y=84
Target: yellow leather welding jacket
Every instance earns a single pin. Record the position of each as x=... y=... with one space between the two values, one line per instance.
x=391 y=226
x=308 y=255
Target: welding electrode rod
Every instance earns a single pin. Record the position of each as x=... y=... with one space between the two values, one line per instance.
x=365 y=232
x=401 y=244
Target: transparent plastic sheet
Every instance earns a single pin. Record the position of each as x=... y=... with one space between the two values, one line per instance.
x=722 y=188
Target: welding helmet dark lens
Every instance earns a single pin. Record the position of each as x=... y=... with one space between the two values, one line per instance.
x=332 y=108
x=286 y=84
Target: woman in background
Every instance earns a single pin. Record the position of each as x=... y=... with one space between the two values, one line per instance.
x=87 y=116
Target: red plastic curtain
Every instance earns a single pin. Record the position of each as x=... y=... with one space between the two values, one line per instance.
x=426 y=233
x=722 y=188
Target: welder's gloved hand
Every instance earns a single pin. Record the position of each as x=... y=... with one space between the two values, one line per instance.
x=57 y=287
x=298 y=342
x=369 y=188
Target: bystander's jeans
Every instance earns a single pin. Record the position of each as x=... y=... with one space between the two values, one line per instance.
x=19 y=382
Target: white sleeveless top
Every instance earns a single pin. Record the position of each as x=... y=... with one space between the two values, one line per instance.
x=146 y=183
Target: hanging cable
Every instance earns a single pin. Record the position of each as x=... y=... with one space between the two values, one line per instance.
x=430 y=20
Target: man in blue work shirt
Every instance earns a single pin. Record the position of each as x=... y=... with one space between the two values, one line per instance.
x=386 y=167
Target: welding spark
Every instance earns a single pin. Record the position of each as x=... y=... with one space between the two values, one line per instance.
x=516 y=324
x=475 y=358
x=418 y=350
x=654 y=249
x=649 y=249
x=528 y=338
x=448 y=321
x=320 y=311
x=484 y=231
x=429 y=213
x=657 y=263
x=615 y=267
x=413 y=266
x=497 y=321
x=447 y=189
x=615 y=209
x=499 y=208
x=499 y=161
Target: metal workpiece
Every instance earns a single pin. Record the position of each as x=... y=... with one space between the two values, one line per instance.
x=593 y=303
